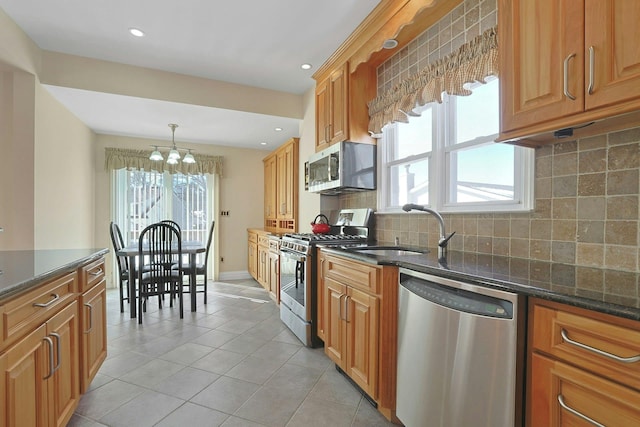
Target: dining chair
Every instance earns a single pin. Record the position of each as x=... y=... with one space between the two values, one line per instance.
x=123 y=263
x=174 y=224
x=201 y=268
x=160 y=246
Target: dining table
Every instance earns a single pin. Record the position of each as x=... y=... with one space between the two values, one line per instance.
x=189 y=247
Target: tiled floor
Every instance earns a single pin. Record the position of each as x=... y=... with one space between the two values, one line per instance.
x=232 y=363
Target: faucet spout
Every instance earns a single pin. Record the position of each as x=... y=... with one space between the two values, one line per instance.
x=443 y=239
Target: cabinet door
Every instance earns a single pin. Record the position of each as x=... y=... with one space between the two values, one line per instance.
x=253 y=260
x=94 y=332
x=555 y=384
x=537 y=39
x=23 y=387
x=270 y=189
x=335 y=327
x=612 y=31
x=274 y=275
x=338 y=106
x=362 y=340
x=320 y=294
x=286 y=170
x=63 y=388
x=263 y=255
x=322 y=115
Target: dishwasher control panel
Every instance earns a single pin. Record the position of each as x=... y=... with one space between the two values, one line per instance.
x=458 y=299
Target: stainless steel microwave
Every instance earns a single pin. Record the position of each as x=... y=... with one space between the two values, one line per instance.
x=343 y=167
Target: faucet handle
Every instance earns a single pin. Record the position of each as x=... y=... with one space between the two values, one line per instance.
x=443 y=243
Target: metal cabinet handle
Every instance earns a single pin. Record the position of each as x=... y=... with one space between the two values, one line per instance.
x=576 y=413
x=566 y=77
x=54 y=298
x=322 y=268
x=58 y=339
x=90 y=317
x=632 y=359
x=51 y=367
x=592 y=68
x=96 y=273
x=346 y=308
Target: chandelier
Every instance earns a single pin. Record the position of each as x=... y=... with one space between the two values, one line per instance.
x=174 y=154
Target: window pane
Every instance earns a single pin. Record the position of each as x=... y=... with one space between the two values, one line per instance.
x=145 y=197
x=481 y=174
x=409 y=183
x=190 y=206
x=477 y=115
x=415 y=137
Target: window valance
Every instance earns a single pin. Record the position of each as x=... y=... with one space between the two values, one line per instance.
x=121 y=158
x=472 y=62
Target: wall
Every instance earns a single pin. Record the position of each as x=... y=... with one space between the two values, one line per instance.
x=586 y=191
x=309 y=203
x=240 y=192
x=17 y=104
x=64 y=178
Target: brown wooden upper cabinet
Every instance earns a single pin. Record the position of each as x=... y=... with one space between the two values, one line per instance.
x=281 y=188
x=567 y=64
x=331 y=108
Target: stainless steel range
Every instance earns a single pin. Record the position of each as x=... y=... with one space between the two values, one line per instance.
x=298 y=270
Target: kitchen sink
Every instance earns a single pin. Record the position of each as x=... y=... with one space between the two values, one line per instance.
x=390 y=251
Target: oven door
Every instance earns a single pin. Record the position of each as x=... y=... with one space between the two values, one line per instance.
x=295 y=283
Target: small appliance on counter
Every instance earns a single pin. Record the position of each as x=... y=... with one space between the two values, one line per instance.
x=298 y=269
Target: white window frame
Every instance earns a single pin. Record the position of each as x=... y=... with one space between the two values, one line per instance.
x=440 y=167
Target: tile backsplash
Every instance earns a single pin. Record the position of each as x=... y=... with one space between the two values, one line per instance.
x=586 y=210
x=586 y=191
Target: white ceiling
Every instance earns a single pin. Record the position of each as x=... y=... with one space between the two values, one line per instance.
x=255 y=43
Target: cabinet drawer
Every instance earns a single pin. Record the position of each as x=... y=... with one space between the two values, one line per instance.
x=274 y=245
x=19 y=315
x=353 y=273
x=263 y=240
x=606 y=345
x=565 y=395
x=91 y=274
x=253 y=238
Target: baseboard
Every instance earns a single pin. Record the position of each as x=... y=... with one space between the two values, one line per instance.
x=234 y=275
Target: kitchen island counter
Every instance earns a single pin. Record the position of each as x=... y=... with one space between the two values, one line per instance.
x=604 y=290
x=21 y=270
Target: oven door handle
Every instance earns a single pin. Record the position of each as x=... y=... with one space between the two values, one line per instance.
x=293 y=256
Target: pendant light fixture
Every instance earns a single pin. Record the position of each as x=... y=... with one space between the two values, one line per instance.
x=174 y=153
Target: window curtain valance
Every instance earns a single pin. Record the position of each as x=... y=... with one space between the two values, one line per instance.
x=120 y=158
x=472 y=62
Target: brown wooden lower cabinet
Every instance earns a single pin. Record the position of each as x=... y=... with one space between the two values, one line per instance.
x=53 y=339
x=582 y=368
x=358 y=324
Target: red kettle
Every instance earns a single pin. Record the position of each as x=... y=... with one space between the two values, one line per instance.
x=320 y=225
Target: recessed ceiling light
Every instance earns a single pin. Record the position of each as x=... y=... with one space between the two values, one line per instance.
x=136 y=32
x=390 y=44
x=278 y=129
x=263 y=143
x=306 y=66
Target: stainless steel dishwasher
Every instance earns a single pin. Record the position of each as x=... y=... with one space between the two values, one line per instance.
x=460 y=362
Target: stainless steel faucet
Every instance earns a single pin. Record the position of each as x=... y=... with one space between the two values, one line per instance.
x=444 y=239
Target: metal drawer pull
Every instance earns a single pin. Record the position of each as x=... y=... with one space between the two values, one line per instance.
x=47 y=304
x=51 y=368
x=58 y=339
x=632 y=359
x=576 y=413
x=96 y=273
x=592 y=68
x=566 y=77
x=90 y=317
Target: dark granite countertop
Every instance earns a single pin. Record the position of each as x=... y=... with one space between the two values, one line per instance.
x=20 y=270
x=608 y=291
